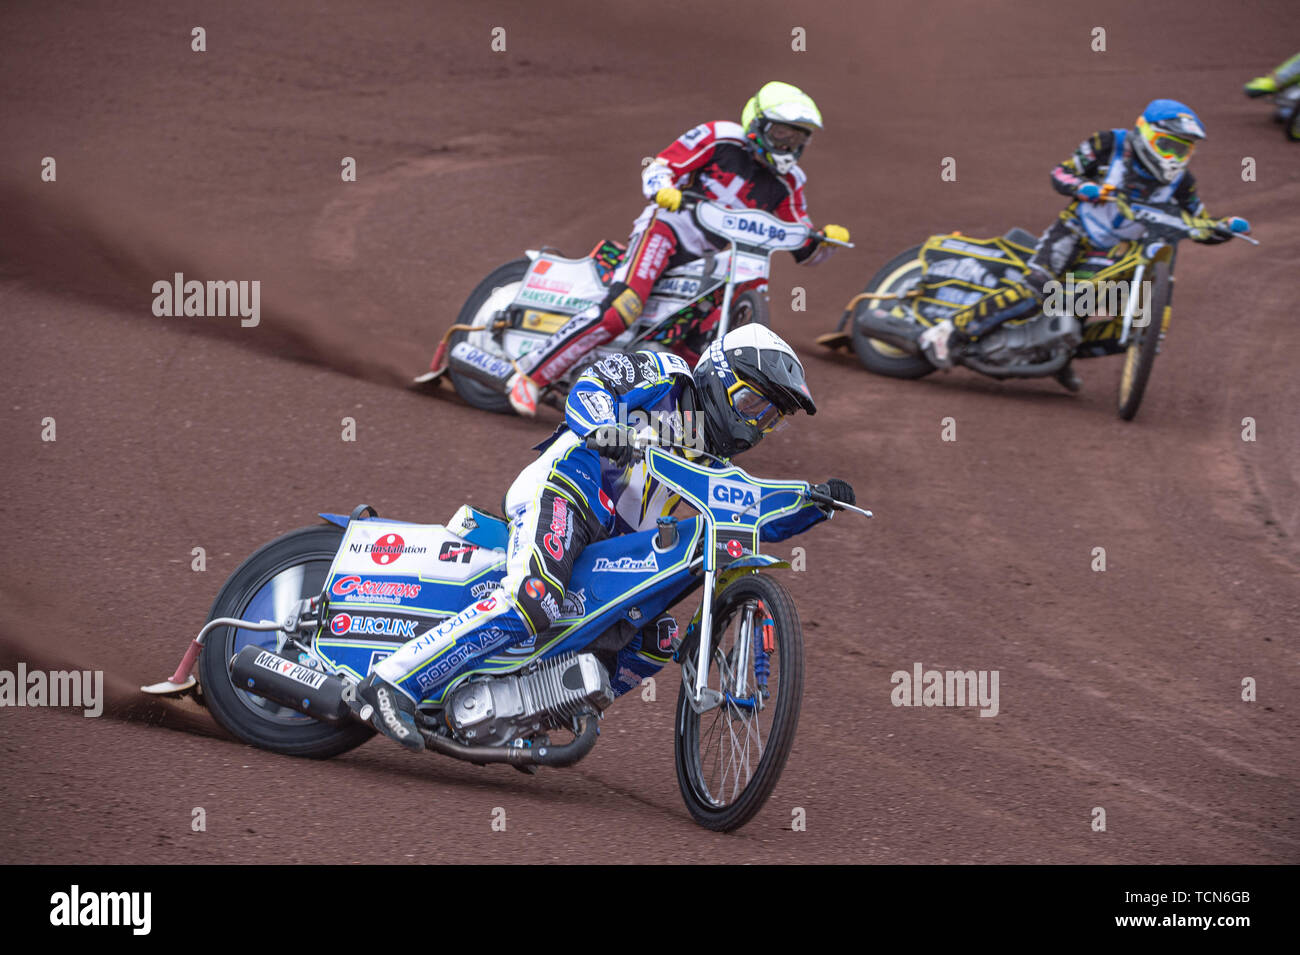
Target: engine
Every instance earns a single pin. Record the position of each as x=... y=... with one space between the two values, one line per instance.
x=496 y=711
x=1034 y=341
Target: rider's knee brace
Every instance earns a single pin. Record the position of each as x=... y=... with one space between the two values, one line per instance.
x=624 y=302
x=537 y=601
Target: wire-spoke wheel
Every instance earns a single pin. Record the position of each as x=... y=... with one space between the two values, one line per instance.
x=730 y=757
x=267 y=586
x=1144 y=345
x=900 y=274
x=494 y=293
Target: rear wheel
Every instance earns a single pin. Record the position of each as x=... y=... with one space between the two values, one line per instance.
x=729 y=758
x=1292 y=125
x=899 y=275
x=1144 y=345
x=490 y=296
x=267 y=586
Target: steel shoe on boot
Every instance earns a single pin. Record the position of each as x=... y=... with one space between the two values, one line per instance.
x=392 y=712
x=1068 y=378
x=523 y=392
x=934 y=342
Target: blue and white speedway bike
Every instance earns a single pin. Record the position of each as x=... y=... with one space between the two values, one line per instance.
x=301 y=622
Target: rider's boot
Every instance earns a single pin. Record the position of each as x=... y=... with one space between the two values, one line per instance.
x=1282 y=77
x=1068 y=378
x=523 y=393
x=581 y=334
x=936 y=343
x=392 y=712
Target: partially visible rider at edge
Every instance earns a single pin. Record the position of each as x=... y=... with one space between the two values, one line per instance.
x=1147 y=163
x=1288 y=74
x=589 y=483
x=750 y=165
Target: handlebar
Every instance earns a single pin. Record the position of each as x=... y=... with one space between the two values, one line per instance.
x=690 y=198
x=645 y=442
x=817 y=497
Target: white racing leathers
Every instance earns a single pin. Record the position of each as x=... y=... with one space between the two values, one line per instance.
x=566 y=498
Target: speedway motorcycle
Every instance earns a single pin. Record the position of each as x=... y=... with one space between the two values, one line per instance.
x=930 y=282
x=1286 y=110
x=520 y=305
x=302 y=621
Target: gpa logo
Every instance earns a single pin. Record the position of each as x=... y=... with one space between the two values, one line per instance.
x=736 y=494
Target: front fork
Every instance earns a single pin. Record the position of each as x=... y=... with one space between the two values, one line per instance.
x=703 y=697
x=1135 y=282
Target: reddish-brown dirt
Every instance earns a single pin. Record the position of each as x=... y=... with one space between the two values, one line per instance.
x=1119 y=690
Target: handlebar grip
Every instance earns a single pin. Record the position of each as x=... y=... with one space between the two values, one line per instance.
x=820 y=498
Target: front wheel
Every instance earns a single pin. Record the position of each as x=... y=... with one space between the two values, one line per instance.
x=1140 y=357
x=1292 y=126
x=268 y=586
x=900 y=274
x=729 y=758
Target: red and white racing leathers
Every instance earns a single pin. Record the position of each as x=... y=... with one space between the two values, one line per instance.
x=714 y=159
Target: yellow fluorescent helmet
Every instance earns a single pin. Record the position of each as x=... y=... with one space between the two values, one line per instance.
x=782 y=103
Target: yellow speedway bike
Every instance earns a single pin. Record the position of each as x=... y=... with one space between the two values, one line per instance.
x=1092 y=315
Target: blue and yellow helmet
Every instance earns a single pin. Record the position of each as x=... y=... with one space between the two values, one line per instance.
x=1165 y=137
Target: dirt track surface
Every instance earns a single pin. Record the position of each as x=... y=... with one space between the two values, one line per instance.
x=1118 y=690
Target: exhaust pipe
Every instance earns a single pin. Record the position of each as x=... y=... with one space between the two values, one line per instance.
x=565 y=754
x=282 y=681
x=889 y=329
x=477 y=364
x=1036 y=370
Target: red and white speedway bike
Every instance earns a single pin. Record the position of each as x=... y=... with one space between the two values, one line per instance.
x=522 y=303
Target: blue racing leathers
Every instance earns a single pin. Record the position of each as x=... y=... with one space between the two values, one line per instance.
x=566 y=498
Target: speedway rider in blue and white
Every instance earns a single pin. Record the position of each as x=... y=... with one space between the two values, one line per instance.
x=589 y=483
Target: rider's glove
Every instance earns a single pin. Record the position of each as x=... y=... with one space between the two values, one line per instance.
x=1088 y=192
x=1209 y=231
x=618 y=443
x=837 y=490
x=836 y=232
x=1235 y=224
x=669 y=198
